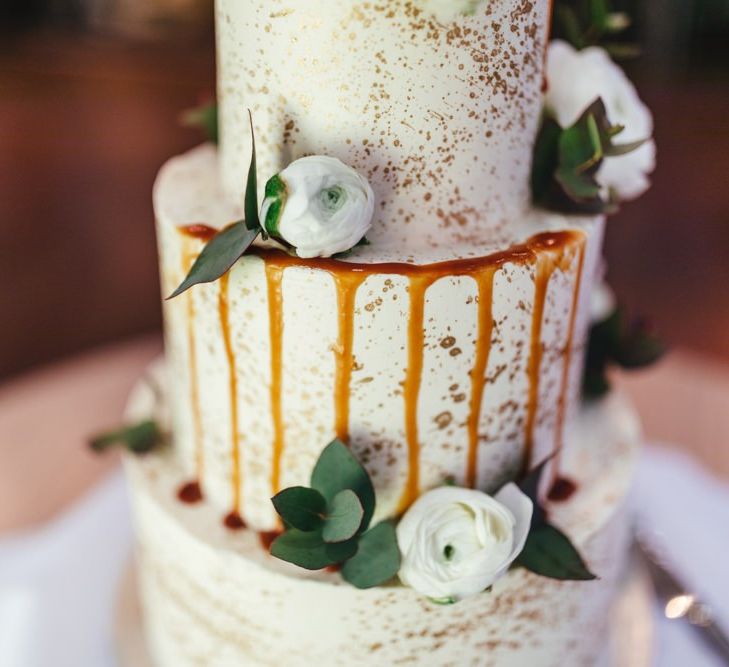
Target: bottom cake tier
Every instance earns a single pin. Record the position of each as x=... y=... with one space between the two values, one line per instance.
x=213 y=596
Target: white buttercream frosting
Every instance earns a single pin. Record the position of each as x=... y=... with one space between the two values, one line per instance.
x=213 y=595
x=436 y=105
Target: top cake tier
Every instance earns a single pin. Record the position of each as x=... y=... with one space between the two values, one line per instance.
x=435 y=101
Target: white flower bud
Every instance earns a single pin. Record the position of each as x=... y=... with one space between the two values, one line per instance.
x=318 y=206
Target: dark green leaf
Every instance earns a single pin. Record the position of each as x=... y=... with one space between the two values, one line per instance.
x=336 y=470
x=579 y=187
x=638 y=347
x=138 y=438
x=275 y=195
x=595 y=384
x=599 y=15
x=546 y=158
x=251 y=197
x=613 y=150
x=344 y=517
x=308 y=549
x=613 y=341
x=205 y=118
x=569 y=26
x=221 y=252
x=549 y=553
x=377 y=559
x=300 y=507
x=580 y=148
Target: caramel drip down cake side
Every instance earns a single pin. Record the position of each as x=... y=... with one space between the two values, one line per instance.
x=462 y=370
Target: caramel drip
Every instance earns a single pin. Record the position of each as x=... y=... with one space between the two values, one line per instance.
x=224 y=310
x=485 y=282
x=546 y=264
x=411 y=390
x=274 y=276
x=543 y=272
x=564 y=388
x=347 y=286
x=545 y=251
x=189 y=255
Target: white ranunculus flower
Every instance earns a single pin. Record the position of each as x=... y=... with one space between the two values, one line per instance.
x=457 y=542
x=319 y=206
x=575 y=79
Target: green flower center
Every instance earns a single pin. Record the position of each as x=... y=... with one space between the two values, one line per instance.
x=332 y=199
x=448 y=551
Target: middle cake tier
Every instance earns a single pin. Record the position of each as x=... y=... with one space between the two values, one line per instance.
x=463 y=364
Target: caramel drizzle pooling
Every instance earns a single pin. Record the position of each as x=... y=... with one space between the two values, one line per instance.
x=546 y=252
x=224 y=311
x=188 y=257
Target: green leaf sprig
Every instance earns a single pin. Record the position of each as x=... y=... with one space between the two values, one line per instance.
x=138 y=438
x=329 y=523
x=548 y=551
x=616 y=341
x=231 y=243
x=204 y=118
x=585 y=23
x=566 y=162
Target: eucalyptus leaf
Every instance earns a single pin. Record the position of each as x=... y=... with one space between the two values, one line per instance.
x=580 y=146
x=251 y=197
x=300 y=507
x=138 y=438
x=218 y=256
x=336 y=470
x=613 y=150
x=343 y=518
x=599 y=15
x=546 y=157
x=569 y=26
x=205 y=118
x=377 y=559
x=614 y=341
x=308 y=549
x=579 y=187
x=549 y=553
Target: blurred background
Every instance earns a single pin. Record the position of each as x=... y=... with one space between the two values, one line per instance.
x=90 y=96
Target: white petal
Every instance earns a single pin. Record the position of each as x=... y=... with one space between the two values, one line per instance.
x=521 y=506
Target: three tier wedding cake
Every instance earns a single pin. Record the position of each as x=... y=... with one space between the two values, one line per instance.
x=378 y=453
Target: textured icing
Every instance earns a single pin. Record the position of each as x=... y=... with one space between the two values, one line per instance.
x=418 y=336
x=214 y=597
x=437 y=107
